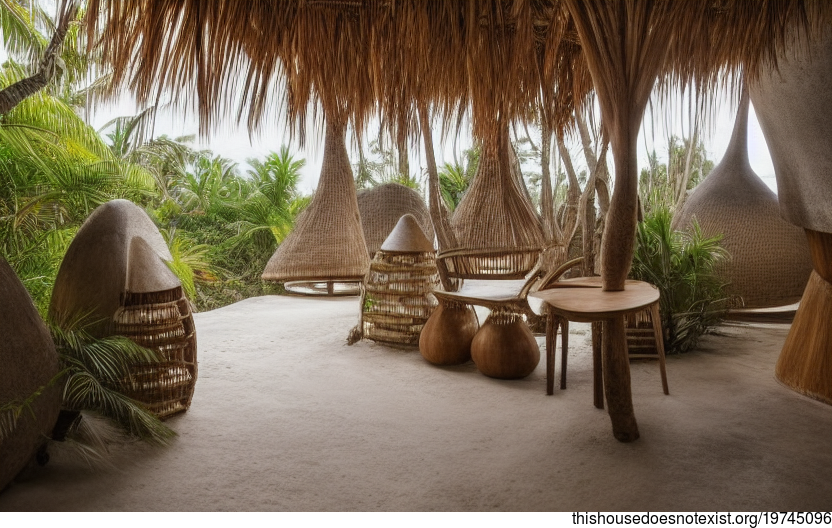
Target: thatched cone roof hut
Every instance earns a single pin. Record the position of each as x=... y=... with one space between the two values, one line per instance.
x=381 y=208
x=794 y=107
x=327 y=244
x=398 y=298
x=114 y=273
x=770 y=260
x=29 y=363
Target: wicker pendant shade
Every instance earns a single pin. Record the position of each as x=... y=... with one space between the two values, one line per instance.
x=381 y=208
x=770 y=261
x=29 y=362
x=398 y=297
x=498 y=232
x=327 y=244
x=114 y=271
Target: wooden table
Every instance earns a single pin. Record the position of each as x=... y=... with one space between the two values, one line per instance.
x=583 y=300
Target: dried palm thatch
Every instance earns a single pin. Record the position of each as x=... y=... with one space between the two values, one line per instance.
x=381 y=208
x=770 y=260
x=327 y=244
x=28 y=404
x=113 y=273
x=398 y=290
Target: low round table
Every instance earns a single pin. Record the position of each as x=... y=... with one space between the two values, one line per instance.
x=583 y=300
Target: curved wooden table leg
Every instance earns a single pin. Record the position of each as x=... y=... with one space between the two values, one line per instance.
x=657 y=335
x=617 y=387
x=564 y=350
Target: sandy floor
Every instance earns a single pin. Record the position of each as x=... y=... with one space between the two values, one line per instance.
x=286 y=416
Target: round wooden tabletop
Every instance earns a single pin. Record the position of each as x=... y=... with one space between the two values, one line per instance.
x=583 y=300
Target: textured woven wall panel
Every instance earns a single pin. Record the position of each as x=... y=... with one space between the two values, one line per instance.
x=770 y=260
x=794 y=106
x=28 y=361
x=382 y=206
x=328 y=241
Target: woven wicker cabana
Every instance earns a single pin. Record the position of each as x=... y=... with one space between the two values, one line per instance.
x=398 y=290
x=770 y=260
x=29 y=362
x=499 y=234
x=326 y=252
x=114 y=271
x=381 y=208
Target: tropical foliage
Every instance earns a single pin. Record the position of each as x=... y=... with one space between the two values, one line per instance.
x=681 y=265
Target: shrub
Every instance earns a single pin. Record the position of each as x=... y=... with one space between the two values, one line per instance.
x=681 y=265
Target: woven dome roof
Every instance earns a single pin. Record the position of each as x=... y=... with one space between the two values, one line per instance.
x=29 y=361
x=327 y=243
x=770 y=261
x=381 y=208
x=94 y=272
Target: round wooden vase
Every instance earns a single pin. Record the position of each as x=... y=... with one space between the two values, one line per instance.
x=505 y=350
x=447 y=335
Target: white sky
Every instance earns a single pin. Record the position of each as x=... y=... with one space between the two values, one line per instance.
x=233 y=141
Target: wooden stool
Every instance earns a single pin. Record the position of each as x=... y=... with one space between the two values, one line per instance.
x=583 y=300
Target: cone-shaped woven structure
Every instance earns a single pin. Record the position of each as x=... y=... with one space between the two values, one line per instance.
x=770 y=261
x=156 y=314
x=498 y=232
x=29 y=362
x=398 y=296
x=381 y=207
x=93 y=273
x=113 y=272
x=327 y=245
x=407 y=237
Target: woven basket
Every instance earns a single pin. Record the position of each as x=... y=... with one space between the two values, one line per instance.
x=162 y=321
x=327 y=244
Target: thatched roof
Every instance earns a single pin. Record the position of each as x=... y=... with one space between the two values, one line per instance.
x=407 y=237
x=29 y=362
x=95 y=270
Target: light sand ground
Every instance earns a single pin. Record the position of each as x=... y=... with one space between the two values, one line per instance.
x=286 y=416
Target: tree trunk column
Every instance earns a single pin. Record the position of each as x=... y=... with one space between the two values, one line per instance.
x=616 y=259
x=805 y=363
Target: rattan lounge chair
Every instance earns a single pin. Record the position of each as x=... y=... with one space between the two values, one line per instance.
x=326 y=253
x=397 y=296
x=381 y=208
x=114 y=272
x=770 y=261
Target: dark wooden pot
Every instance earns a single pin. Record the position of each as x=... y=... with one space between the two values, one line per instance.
x=505 y=351
x=447 y=335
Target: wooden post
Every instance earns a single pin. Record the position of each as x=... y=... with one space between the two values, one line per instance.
x=805 y=363
x=617 y=380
